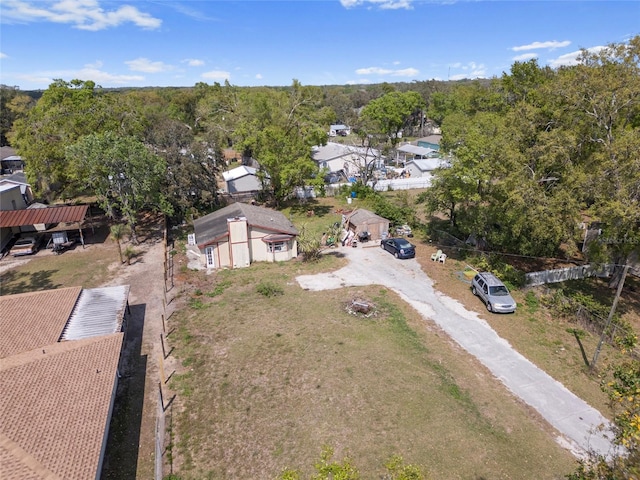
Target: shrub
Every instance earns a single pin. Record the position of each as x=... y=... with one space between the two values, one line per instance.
x=269 y=289
x=510 y=275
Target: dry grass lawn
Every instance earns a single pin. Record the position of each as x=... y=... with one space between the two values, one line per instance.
x=265 y=382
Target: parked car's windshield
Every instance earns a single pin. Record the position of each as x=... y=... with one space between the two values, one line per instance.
x=499 y=291
x=404 y=244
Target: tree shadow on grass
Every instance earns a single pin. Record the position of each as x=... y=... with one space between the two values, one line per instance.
x=311 y=208
x=20 y=282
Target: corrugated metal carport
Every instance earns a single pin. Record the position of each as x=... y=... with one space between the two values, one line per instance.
x=60 y=215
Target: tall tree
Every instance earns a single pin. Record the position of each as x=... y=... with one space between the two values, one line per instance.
x=389 y=114
x=601 y=103
x=125 y=176
x=13 y=105
x=65 y=112
x=280 y=134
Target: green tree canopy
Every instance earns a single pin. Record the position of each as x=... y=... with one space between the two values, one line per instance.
x=125 y=176
x=389 y=114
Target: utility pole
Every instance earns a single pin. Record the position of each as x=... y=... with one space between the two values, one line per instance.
x=610 y=318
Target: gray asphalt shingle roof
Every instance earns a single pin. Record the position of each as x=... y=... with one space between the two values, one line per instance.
x=214 y=225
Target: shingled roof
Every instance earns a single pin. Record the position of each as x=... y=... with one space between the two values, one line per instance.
x=57 y=394
x=34 y=319
x=213 y=226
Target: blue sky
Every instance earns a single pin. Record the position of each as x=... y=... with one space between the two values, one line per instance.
x=318 y=42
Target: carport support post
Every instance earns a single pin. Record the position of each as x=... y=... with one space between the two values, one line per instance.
x=609 y=318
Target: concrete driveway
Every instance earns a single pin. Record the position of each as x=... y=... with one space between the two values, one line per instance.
x=573 y=418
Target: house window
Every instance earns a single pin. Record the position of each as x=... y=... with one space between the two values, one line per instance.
x=277 y=247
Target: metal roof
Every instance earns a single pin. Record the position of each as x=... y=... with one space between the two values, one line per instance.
x=364 y=217
x=415 y=150
x=98 y=311
x=238 y=172
x=5 y=187
x=427 y=164
x=66 y=214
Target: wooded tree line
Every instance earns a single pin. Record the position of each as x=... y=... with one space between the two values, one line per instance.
x=532 y=151
x=539 y=151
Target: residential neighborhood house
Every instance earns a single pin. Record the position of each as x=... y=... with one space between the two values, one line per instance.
x=240 y=234
x=59 y=369
x=346 y=161
x=242 y=179
x=407 y=152
x=423 y=167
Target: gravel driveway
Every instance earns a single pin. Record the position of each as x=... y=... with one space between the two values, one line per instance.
x=571 y=416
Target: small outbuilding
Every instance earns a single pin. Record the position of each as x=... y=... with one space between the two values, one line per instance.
x=423 y=167
x=242 y=179
x=361 y=220
x=240 y=234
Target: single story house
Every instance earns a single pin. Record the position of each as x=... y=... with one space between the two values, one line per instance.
x=13 y=196
x=407 y=152
x=240 y=234
x=18 y=178
x=423 y=167
x=361 y=220
x=59 y=369
x=345 y=160
x=242 y=179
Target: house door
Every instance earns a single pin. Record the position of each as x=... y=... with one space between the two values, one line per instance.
x=208 y=253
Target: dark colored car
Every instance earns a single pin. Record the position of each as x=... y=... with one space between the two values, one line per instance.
x=400 y=247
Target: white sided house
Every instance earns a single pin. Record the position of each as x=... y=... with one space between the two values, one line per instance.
x=240 y=234
x=242 y=179
x=345 y=160
x=423 y=167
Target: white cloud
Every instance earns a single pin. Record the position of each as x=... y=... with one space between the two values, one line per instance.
x=406 y=72
x=147 y=66
x=3 y=55
x=470 y=69
x=569 y=59
x=87 y=73
x=217 y=75
x=524 y=57
x=82 y=14
x=550 y=45
x=194 y=62
x=373 y=70
x=258 y=76
x=105 y=78
x=382 y=4
x=97 y=64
